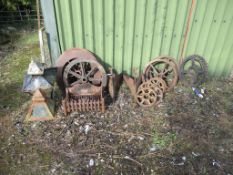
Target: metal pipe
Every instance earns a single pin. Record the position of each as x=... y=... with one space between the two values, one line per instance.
x=42 y=52
x=38 y=13
x=186 y=31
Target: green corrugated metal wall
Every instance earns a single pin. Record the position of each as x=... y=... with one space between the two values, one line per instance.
x=126 y=34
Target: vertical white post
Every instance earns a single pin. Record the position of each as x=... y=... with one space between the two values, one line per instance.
x=41 y=45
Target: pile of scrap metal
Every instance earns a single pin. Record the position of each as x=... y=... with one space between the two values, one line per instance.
x=159 y=76
x=82 y=80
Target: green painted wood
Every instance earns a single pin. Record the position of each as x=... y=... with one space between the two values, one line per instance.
x=126 y=34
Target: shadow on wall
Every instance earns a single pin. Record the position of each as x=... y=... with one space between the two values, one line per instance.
x=118 y=77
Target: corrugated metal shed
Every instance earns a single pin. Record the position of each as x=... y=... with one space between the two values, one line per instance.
x=126 y=34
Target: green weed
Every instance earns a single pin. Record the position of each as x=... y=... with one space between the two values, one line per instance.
x=163 y=140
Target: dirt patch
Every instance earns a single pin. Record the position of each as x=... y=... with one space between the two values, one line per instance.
x=184 y=135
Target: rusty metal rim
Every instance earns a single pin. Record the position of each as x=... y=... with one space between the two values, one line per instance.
x=145 y=96
x=166 y=60
x=158 y=82
x=197 y=61
x=66 y=57
x=155 y=88
x=94 y=64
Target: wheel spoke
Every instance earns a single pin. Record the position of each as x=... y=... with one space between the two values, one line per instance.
x=92 y=71
x=151 y=73
x=168 y=80
x=140 y=96
x=141 y=101
x=75 y=74
x=167 y=69
x=154 y=69
x=200 y=71
x=193 y=63
x=166 y=65
x=76 y=82
x=152 y=98
x=147 y=101
x=82 y=69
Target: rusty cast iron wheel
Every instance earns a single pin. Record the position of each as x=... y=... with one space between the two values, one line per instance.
x=81 y=71
x=164 y=68
x=156 y=88
x=68 y=56
x=146 y=96
x=159 y=95
x=193 y=70
x=158 y=82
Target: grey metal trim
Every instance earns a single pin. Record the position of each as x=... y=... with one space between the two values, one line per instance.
x=48 y=11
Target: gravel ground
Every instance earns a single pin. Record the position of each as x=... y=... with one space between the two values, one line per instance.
x=183 y=135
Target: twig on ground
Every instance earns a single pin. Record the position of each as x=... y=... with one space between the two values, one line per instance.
x=66 y=128
x=128 y=158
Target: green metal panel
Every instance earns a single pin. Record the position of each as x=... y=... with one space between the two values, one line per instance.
x=211 y=35
x=98 y=28
x=126 y=34
x=129 y=13
x=119 y=34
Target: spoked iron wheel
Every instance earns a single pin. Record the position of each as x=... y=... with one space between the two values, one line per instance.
x=164 y=68
x=146 y=97
x=66 y=58
x=193 y=70
x=158 y=82
x=156 y=87
x=82 y=71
